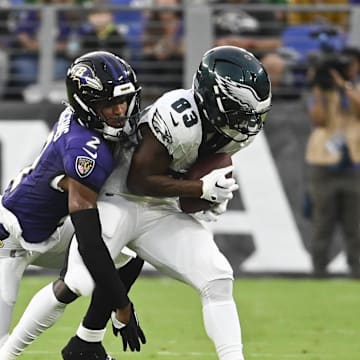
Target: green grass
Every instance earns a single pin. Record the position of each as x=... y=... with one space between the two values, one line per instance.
x=280 y=318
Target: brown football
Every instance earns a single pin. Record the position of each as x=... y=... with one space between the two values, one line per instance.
x=198 y=170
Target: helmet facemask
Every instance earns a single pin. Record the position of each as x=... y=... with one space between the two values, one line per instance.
x=127 y=123
x=235 y=120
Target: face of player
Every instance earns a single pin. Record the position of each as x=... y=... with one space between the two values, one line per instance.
x=114 y=115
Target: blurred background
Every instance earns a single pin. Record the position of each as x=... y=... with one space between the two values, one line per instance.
x=268 y=228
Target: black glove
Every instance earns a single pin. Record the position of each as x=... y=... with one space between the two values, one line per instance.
x=130 y=332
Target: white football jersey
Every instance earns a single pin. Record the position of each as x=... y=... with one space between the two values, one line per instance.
x=174 y=120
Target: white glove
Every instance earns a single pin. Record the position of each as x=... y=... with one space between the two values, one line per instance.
x=205 y=215
x=217 y=187
x=212 y=214
x=220 y=208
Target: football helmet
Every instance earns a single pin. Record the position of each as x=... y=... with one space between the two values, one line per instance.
x=233 y=92
x=99 y=79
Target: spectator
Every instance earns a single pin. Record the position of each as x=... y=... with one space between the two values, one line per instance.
x=354 y=53
x=337 y=18
x=308 y=40
x=4 y=35
x=131 y=22
x=100 y=32
x=255 y=30
x=163 y=46
x=26 y=55
x=333 y=158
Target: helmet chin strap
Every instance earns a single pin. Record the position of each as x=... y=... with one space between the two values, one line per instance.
x=234 y=135
x=111 y=133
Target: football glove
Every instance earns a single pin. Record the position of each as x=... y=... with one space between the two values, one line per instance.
x=217 y=187
x=212 y=214
x=131 y=333
x=220 y=208
x=205 y=215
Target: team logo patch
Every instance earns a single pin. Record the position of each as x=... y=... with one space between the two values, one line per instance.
x=84 y=166
x=1 y=244
x=85 y=76
x=161 y=128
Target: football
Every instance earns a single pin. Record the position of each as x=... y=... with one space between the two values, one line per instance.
x=197 y=171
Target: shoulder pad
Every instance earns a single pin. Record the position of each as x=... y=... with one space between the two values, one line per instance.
x=174 y=120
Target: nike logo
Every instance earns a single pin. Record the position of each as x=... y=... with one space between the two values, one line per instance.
x=175 y=123
x=219 y=186
x=91 y=154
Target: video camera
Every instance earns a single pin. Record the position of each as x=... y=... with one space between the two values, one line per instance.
x=327 y=58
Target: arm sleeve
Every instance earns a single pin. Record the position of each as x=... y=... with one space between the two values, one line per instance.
x=96 y=256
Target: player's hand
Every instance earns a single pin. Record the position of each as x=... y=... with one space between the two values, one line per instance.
x=220 y=208
x=131 y=332
x=217 y=187
x=205 y=215
x=212 y=214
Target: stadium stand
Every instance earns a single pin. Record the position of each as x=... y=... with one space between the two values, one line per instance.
x=137 y=23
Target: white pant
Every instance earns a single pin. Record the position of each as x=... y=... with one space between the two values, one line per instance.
x=173 y=242
x=49 y=254
x=16 y=256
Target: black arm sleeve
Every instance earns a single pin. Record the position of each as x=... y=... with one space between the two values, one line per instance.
x=100 y=308
x=96 y=255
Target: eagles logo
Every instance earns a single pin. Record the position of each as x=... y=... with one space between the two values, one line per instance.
x=241 y=93
x=85 y=76
x=161 y=128
x=84 y=166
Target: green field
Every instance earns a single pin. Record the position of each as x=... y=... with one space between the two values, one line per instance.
x=281 y=319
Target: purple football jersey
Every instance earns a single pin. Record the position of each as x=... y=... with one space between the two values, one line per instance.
x=71 y=150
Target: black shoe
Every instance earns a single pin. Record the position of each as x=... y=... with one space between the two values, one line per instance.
x=78 y=349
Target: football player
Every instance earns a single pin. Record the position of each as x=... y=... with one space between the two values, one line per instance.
x=222 y=112
x=65 y=179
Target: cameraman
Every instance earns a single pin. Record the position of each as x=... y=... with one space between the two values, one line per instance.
x=333 y=158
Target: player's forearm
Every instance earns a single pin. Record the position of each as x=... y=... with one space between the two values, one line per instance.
x=96 y=256
x=165 y=186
